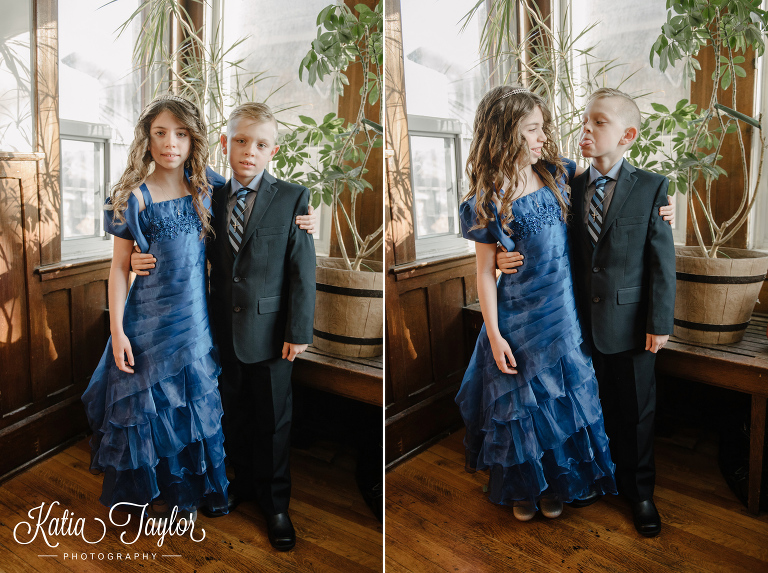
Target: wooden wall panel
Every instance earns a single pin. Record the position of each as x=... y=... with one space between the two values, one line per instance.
x=90 y=329
x=415 y=318
x=57 y=357
x=14 y=331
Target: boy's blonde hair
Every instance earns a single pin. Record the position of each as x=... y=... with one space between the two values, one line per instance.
x=630 y=113
x=252 y=110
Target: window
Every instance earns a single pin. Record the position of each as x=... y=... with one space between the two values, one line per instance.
x=100 y=101
x=444 y=83
x=269 y=49
x=625 y=33
x=759 y=217
x=17 y=131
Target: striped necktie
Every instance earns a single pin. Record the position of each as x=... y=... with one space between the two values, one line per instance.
x=595 y=219
x=237 y=221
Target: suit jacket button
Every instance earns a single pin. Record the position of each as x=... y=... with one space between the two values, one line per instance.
x=596 y=299
x=594 y=270
x=237 y=309
x=236 y=279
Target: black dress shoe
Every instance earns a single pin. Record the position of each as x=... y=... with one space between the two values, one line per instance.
x=588 y=499
x=282 y=536
x=232 y=502
x=647 y=520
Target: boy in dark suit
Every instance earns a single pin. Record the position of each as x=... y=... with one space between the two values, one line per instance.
x=261 y=306
x=624 y=277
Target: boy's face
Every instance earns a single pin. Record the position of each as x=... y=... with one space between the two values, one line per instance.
x=249 y=146
x=603 y=133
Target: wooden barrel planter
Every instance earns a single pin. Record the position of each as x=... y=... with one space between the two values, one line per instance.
x=349 y=309
x=715 y=297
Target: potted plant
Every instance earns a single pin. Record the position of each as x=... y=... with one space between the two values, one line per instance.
x=717 y=286
x=330 y=158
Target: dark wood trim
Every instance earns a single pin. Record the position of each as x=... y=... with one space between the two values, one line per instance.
x=72 y=267
x=433 y=265
x=48 y=204
x=39 y=435
x=398 y=165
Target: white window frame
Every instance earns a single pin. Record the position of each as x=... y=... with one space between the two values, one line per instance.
x=440 y=128
x=100 y=244
x=758 y=218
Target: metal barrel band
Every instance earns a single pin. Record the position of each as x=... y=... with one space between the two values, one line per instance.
x=711 y=327
x=720 y=280
x=347 y=339
x=369 y=293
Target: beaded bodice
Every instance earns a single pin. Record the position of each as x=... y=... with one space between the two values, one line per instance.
x=534 y=212
x=167 y=220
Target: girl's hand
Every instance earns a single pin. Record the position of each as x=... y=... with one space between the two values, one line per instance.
x=308 y=222
x=502 y=354
x=121 y=347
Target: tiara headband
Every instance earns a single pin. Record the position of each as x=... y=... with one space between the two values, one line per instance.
x=166 y=97
x=515 y=91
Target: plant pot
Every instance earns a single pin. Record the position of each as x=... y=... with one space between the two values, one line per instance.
x=349 y=309
x=715 y=297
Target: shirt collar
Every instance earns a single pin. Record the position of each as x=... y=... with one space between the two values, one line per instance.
x=613 y=173
x=253 y=185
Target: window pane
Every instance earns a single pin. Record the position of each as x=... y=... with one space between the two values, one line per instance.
x=97 y=83
x=434 y=185
x=81 y=181
x=442 y=75
x=268 y=48
x=625 y=33
x=16 y=122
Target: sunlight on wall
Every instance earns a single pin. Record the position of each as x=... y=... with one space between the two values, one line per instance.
x=16 y=125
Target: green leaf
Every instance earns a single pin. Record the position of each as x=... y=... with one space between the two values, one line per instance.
x=306 y=120
x=659 y=107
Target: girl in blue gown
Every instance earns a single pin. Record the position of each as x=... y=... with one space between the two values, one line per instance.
x=153 y=402
x=529 y=397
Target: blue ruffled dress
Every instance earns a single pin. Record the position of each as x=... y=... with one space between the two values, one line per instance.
x=539 y=431
x=157 y=433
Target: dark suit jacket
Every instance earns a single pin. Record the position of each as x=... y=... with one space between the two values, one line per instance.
x=625 y=285
x=266 y=295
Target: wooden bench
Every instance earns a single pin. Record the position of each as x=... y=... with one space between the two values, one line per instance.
x=741 y=366
x=360 y=379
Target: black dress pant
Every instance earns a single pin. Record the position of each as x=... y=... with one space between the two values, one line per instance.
x=628 y=397
x=257 y=400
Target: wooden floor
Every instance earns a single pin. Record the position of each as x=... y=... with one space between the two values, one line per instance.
x=439 y=519
x=336 y=530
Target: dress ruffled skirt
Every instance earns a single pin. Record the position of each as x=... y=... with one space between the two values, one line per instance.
x=157 y=433
x=539 y=431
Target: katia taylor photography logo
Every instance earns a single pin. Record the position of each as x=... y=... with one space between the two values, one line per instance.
x=44 y=527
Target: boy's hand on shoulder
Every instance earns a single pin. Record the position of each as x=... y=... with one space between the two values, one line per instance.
x=291 y=351
x=307 y=222
x=508 y=261
x=667 y=212
x=655 y=342
x=141 y=262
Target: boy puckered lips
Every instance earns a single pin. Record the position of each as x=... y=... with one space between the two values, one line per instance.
x=624 y=277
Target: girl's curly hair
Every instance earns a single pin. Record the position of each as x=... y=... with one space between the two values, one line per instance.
x=499 y=151
x=140 y=159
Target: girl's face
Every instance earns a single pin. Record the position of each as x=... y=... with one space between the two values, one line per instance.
x=169 y=141
x=532 y=127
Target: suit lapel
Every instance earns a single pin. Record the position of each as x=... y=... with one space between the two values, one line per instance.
x=621 y=192
x=578 y=190
x=220 y=222
x=264 y=197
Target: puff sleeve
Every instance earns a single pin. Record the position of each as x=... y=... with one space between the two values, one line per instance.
x=493 y=233
x=130 y=228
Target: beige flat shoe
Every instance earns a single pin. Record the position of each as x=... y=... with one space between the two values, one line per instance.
x=523 y=510
x=551 y=506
